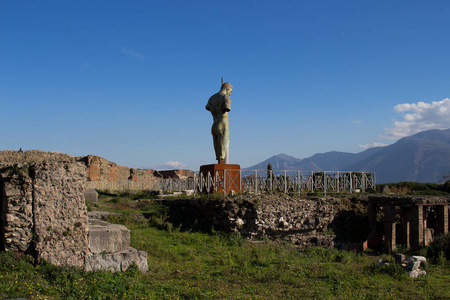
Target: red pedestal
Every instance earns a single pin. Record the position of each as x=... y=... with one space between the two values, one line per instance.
x=220 y=178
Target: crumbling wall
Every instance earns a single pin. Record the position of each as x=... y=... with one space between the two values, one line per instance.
x=142 y=175
x=60 y=215
x=300 y=221
x=101 y=169
x=16 y=219
x=43 y=208
x=182 y=174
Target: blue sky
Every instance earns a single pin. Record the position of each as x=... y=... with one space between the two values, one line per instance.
x=129 y=80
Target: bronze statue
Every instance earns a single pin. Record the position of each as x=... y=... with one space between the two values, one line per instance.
x=219 y=106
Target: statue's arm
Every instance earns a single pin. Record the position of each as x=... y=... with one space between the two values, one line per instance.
x=227 y=103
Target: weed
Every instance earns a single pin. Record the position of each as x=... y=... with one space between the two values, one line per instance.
x=439 y=248
x=391 y=268
x=329 y=231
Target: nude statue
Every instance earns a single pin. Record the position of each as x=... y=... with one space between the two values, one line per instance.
x=219 y=106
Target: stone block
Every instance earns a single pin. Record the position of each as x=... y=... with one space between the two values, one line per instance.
x=416 y=273
x=108 y=239
x=413 y=266
x=10 y=192
x=99 y=215
x=117 y=262
x=399 y=257
x=420 y=259
x=91 y=195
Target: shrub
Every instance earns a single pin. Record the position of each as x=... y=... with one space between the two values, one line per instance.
x=439 y=248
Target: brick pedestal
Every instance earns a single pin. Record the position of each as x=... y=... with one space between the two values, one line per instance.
x=416 y=236
x=406 y=227
x=220 y=178
x=389 y=227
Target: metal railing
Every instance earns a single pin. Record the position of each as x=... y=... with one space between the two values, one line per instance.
x=255 y=182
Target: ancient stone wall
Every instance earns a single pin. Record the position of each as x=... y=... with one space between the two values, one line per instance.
x=43 y=210
x=16 y=213
x=101 y=169
x=142 y=175
x=60 y=215
x=300 y=221
x=176 y=173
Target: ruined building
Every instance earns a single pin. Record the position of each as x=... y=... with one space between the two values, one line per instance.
x=43 y=212
x=411 y=221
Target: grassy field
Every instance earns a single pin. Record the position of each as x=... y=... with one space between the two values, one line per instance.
x=194 y=265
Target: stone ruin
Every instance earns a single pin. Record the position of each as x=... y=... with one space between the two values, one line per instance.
x=411 y=221
x=43 y=213
x=100 y=169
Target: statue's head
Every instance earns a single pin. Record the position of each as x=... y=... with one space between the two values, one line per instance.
x=227 y=88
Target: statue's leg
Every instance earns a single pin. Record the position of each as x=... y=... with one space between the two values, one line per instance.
x=225 y=140
x=217 y=146
x=216 y=140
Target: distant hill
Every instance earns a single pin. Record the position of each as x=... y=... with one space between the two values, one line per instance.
x=278 y=162
x=423 y=157
x=334 y=161
x=329 y=161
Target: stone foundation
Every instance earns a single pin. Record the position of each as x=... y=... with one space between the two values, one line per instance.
x=302 y=222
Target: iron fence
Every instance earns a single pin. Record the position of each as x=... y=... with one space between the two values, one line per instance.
x=266 y=181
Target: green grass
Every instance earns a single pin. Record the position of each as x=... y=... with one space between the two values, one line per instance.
x=193 y=265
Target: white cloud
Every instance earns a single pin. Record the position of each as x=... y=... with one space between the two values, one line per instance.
x=419 y=117
x=367 y=146
x=170 y=165
x=356 y=121
x=132 y=53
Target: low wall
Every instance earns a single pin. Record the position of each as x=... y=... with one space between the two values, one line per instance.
x=293 y=219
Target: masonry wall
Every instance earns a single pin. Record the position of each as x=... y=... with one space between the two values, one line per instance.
x=299 y=221
x=16 y=210
x=43 y=208
x=100 y=169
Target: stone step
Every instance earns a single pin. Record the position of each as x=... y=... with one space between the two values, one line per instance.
x=107 y=238
x=117 y=262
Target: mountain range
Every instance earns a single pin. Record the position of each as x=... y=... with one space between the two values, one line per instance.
x=423 y=157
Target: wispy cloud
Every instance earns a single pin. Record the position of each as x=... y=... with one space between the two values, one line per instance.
x=132 y=53
x=170 y=165
x=420 y=116
x=85 y=65
x=356 y=121
x=367 y=146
